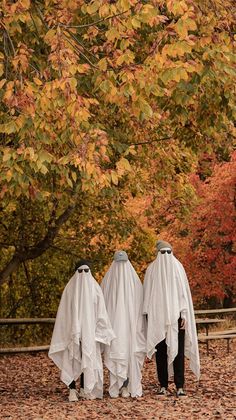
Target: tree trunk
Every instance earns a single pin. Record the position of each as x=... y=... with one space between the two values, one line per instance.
x=38 y=249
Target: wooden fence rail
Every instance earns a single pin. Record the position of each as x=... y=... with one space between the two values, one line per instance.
x=214 y=311
x=9 y=321
x=206 y=321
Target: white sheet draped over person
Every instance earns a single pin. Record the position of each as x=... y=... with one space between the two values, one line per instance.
x=123 y=294
x=168 y=302
x=81 y=326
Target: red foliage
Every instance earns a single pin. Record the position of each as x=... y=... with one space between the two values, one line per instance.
x=206 y=243
x=211 y=257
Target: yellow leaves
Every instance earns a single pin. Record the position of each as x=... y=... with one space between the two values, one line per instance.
x=107 y=87
x=74 y=176
x=20 y=61
x=2 y=83
x=136 y=22
x=177 y=7
x=123 y=166
x=89 y=168
x=174 y=74
x=93 y=7
x=9 y=91
x=158 y=91
x=8 y=128
x=43 y=168
x=148 y=14
x=113 y=34
x=49 y=36
x=183 y=26
x=114 y=178
x=83 y=68
x=6 y=154
x=102 y=64
x=25 y=3
x=142 y=109
x=37 y=81
x=205 y=40
x=128 y=58
x=177 y=49
x=45 y=156
x=20 y=121
x=131 y=150
x=29 y=151
x=124 y=4
x=1 y=69
x=104 y=10
x=73 y=83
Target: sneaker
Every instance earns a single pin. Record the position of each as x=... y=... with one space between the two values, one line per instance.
x=124 y=392
x=114 y=396
x=180 y=392
x=162 y=391
x=73 y=395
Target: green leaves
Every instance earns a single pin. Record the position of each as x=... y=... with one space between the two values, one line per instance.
x=93 y=94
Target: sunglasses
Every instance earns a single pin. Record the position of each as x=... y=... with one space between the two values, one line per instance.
x=166 y=250
x=80 y=270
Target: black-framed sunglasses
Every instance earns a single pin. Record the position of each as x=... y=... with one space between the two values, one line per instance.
x=165 y=250
x=86 y=270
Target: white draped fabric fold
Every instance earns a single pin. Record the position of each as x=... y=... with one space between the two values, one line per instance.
x=123 y=294
x=167 y=296
x=82 y=324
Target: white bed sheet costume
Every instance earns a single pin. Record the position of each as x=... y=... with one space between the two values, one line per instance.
x=123 y=294
x=167 y=296
x=81 y=326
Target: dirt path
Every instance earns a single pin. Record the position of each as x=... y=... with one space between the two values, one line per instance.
x=30 y=389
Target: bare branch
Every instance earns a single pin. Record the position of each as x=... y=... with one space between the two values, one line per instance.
x=80 y=43
x=37 y=250
x=86 y=25
x=8 y=35
x=152 y=141
x=79 y=52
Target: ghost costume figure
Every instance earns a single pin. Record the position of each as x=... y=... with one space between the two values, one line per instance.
x=82 y=324
x=171 y=328
x=123 y=294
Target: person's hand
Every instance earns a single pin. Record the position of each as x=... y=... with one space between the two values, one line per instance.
x=183 y=324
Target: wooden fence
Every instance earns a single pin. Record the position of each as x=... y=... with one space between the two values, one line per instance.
x=204 y=321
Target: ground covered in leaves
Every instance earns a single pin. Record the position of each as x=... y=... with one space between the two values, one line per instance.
x=30 y=389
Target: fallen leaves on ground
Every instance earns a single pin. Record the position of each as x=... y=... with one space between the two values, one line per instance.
x=30 y=389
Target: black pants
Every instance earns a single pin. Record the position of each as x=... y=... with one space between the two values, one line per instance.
x=73 y=385
x=161 y=361
x=126 y=383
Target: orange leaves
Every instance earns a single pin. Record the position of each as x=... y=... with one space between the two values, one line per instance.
x=20 y=61
x=123 y=68
x=37 y=81
x=177 y=7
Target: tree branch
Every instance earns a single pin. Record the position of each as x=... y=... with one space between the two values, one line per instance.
x=80 y=43
x=152 y=141
x=79 y=52
x=39 y=248
x=87 y=25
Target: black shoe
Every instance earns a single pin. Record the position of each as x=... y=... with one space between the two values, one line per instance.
x=180 y=392
x=162 y=391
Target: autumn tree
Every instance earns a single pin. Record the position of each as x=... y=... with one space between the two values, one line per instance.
x=98 y=92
